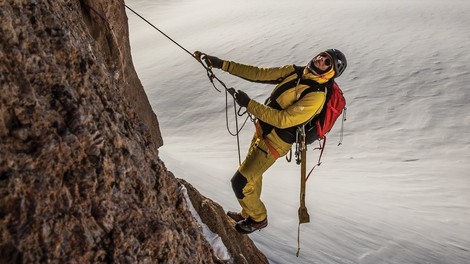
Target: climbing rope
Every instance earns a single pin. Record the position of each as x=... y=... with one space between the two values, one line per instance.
x=210 y=74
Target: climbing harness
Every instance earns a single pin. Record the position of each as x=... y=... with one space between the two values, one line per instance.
x=200 y=57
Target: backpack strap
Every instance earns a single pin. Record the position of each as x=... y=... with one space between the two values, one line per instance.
x=289 y=134
x=315 y=87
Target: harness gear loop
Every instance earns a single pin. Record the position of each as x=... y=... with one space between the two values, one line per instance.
x=289 y=156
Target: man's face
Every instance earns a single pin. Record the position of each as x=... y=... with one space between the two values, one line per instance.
x=322 y=61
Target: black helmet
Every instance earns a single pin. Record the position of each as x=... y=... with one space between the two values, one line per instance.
x=339 y=61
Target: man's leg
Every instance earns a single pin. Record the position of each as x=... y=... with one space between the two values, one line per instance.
x=247 y=181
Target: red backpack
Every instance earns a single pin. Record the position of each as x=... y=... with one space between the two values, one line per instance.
x=318 y=127
x=334 y=107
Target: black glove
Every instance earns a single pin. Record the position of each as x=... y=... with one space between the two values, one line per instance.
x=213 y=61
x=242 y=98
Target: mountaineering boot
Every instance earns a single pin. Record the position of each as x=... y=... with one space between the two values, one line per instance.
x=237 y=217
x=249 y=225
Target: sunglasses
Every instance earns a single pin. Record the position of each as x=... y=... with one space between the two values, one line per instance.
x=327 y=60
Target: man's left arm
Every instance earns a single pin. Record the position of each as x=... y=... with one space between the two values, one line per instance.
x=296 y=114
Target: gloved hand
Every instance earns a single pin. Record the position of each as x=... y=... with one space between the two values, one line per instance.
x=213 y=61
x=241 y=97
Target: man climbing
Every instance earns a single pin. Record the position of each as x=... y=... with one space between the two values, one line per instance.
x=292 y=103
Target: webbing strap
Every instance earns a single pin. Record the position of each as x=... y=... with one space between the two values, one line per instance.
x=298 y=241
x=271 y=149
x=321 y=148
x=303 y=213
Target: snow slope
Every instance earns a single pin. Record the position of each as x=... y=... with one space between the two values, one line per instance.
x=398 y=189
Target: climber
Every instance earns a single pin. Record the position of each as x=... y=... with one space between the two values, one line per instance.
x=287 y=107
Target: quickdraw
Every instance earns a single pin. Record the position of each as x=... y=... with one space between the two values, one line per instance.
x=200 y=57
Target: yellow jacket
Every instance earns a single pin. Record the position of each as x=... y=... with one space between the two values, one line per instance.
x=290 y=108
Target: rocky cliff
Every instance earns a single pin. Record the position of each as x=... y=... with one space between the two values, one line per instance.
x=80 y=176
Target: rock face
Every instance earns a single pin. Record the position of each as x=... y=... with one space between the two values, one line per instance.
x=80 y=176
x=241 y=248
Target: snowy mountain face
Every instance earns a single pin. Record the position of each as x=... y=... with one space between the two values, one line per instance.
x=397 y=190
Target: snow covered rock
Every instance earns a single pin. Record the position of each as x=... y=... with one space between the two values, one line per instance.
x=239 y=247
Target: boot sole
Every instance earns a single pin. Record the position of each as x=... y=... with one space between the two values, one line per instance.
x=243 y=231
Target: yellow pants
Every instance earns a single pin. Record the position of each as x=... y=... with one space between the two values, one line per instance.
x=247 y=181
